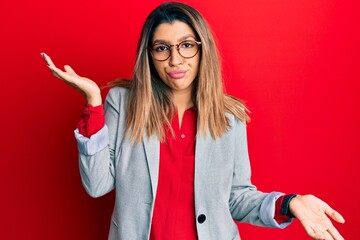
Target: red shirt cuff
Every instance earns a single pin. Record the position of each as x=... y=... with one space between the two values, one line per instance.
x=280 y=218
x=92 y=120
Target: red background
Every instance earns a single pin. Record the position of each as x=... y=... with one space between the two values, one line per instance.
x=296 y=63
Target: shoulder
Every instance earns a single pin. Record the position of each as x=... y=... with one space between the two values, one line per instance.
x=117 y=97
x=236 y=130
x=234 y=121
x=235 y=108
x=117 y=93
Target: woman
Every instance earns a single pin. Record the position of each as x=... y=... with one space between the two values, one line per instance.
x=174 y=145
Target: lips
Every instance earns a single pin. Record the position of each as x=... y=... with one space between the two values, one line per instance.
x=177 y=74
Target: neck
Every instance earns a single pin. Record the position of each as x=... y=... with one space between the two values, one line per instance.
x=182 y=100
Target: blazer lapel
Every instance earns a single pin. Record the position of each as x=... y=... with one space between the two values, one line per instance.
x=152 y=150
x=203 y=151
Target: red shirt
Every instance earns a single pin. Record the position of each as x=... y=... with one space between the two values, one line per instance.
x=92 y=120
x=174 y=209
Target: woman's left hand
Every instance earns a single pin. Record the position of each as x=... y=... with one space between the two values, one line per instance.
x=314 y=214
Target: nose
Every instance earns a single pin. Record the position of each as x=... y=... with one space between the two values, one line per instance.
x=175 y=57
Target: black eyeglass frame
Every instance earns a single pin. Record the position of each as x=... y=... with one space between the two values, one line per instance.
x=177 y=48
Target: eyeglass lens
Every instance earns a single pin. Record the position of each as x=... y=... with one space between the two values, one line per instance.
x=186 y=49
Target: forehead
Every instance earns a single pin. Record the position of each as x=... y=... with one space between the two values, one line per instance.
x=173 y=32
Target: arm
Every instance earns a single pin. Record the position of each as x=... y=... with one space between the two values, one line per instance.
x=95 y=153
x=247 y=204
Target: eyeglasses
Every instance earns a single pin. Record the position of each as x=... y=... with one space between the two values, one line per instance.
x=186 y=49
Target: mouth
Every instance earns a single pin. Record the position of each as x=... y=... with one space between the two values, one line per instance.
x=177 y=74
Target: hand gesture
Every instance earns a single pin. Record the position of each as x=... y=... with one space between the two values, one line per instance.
x=313 y=215
x=85 y=86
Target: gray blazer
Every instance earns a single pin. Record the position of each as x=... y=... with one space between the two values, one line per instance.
x=223 y=189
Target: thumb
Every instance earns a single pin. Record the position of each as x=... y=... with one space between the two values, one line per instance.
x=334 y=215
x=70 y=71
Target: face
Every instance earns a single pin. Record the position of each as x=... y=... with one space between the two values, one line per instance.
x=177 y=72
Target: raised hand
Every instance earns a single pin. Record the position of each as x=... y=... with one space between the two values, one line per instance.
x=314 y=214
x=85 y=86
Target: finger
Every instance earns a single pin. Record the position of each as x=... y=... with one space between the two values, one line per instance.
x=70 y=71
x=60 y=74
x=335 y=233
x=54 y=73
x=71 y=80
x=47 y=59
x=315 y=234
x=322 y=235
x=328 y=236
x=43 y=55
x=319 y=235
x=334 y=215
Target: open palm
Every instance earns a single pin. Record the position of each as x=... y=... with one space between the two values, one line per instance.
x=85 y=86
x=314 y=214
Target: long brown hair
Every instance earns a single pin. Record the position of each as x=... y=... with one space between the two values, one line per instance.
x=150 y=100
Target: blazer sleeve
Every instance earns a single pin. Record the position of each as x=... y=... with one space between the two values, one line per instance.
x=97 y=153
x=246 y=203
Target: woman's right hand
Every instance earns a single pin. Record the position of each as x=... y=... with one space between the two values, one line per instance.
x=85 y=86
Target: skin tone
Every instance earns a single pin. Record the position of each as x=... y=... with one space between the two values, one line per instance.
x=314 y=214
x=88 y=88
x=179 y=74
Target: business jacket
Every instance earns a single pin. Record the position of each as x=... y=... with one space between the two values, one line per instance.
x=223 y=189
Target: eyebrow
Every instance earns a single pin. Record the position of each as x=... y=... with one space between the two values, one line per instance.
x=179 y=40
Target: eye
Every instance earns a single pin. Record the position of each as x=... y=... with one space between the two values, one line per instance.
x=160 y=48
x=187 y=44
